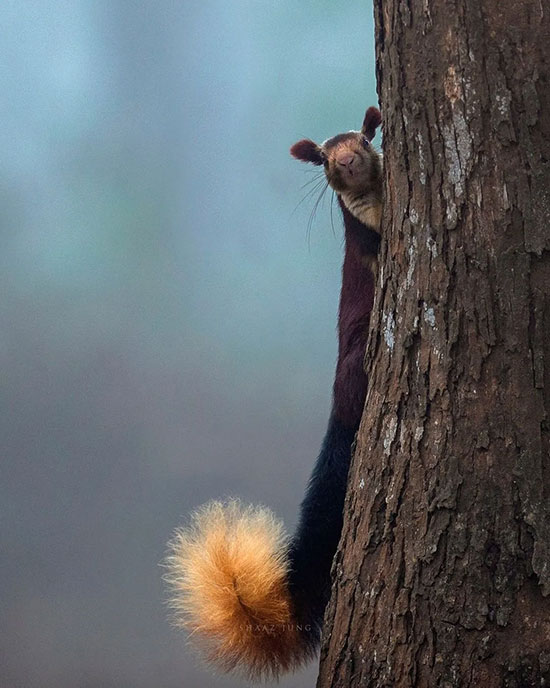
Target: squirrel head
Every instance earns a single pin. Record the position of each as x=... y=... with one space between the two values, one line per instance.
x=351 y=164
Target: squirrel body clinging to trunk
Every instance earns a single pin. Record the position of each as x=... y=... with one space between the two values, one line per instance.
x=252 y=597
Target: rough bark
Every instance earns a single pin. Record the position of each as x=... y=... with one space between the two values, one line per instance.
x=443 y=572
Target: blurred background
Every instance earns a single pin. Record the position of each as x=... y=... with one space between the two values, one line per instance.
x=167 y=331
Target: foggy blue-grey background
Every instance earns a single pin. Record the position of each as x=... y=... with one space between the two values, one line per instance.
x=167 y=335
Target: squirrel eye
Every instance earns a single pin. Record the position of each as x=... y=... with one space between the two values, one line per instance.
x=366 y=142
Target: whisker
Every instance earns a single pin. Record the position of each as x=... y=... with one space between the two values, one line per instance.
x=310 y=192
x=331 y=216
x=313 y=179
x=314 y=212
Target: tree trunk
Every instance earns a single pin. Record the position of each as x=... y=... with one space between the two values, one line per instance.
x=443 y=572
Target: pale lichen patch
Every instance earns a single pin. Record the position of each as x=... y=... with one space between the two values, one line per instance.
x=388 y=320
x=502 y=101
x=390 y=435
x=431 y=246
x=421 y=158
x=451 y=153
x=412 y=261
x=463 y=140
x=429 y=315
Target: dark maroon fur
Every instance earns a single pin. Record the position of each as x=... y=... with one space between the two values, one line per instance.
x=316 y=539
x=372 y=120
x=356 y=300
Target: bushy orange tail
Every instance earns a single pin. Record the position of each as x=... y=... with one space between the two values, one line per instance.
x=228 y=573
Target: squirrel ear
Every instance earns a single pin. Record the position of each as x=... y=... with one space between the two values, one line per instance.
x=307 y=151
x=371 y=122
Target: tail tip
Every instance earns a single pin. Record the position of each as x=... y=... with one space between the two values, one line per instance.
x=227 y=572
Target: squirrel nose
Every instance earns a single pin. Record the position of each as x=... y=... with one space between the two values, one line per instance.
x=345 y=159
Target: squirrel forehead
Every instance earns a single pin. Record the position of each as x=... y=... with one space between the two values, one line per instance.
x=339 y=139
